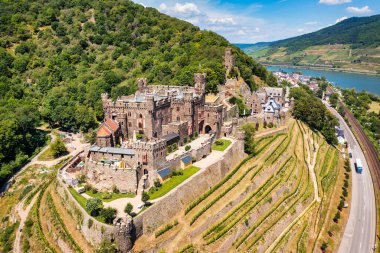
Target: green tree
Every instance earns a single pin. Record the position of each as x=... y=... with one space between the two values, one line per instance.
x=334 y=100
x=249 y=138
x=93 y=206
x=145 y=197
x=57 y=147
x=128 y=208
x=108 y=214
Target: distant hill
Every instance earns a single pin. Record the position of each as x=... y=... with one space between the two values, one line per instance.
x=353 y=44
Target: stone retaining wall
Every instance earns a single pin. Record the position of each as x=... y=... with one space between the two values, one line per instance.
x=95 y=233
x=165 y=209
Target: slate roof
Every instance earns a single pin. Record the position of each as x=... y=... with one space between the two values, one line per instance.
x=112 y=150
x=164 y=173
x=170 y=136
x=186 y=159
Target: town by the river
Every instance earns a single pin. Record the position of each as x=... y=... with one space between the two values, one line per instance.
x=360 y=82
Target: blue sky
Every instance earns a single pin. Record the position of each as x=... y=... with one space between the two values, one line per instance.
x=267 y=20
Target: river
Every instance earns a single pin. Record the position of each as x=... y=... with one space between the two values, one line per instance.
x=360 y=82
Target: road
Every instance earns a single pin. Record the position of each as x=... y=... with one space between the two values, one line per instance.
x=360 y=231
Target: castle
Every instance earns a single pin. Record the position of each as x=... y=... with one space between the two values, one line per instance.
x=131 y=144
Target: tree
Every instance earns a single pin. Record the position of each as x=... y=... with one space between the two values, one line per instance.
x=145 y=197
x=58 y=147
x=128 y=208
x=93 y=206
x=334 y=99
x=108 y=214
x=249 y=138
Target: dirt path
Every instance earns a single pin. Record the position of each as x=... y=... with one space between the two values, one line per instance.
x=23 y=213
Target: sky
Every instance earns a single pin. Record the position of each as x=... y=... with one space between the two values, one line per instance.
x=267 y=20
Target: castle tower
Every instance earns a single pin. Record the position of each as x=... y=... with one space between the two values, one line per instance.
x=123 y=233
x=200 y=83
x=229 y=59
x=141 y=84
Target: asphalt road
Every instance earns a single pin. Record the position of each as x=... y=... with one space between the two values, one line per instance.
x=360 y=231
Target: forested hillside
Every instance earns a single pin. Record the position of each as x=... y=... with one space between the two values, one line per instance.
x=58 y=56
x=352 y=44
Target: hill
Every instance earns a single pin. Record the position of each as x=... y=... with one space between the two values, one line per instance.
x=57 y=57
x=353 y=44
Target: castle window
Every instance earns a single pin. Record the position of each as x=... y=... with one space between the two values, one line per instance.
x=129 y=114
x=177 y=108
x=178 y=119
x=129 y=124
x=140 y=116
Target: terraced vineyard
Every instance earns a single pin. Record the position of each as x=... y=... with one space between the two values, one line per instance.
x=284 y=199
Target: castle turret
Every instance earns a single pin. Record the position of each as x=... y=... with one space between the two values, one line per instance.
x=123 y=229
x=200 y=83
x=229 y=59
x=141 y=84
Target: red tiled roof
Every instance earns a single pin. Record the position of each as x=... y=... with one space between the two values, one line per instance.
x=113 y=125
x=103 y=131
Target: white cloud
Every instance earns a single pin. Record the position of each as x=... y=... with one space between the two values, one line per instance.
x=163 y=7
x=340 y=19
x=300 y=30
x=334 y=2
x=357 y=10
x=221 y=21
x=312 y=23
x=186 y=8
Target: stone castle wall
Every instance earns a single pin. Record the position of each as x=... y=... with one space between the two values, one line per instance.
x=100 y=176
x=164 y=210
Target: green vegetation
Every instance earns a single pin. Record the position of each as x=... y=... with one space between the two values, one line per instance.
x=350 y=44
x=166 y=228
x=249 y=138
x=174 y=181
x=217 y=186
x=109 y=196
x=243 y=109
x=128 y=208
x=313 y=112
x=221 y=144
x=56 y=149
x=359 y=104
x=79 y=198
x=57 y=57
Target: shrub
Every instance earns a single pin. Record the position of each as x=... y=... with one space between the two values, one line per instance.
x=157 y=183
x=87 y=187
x=324 y=246
x=196 y=134
x=219 y=143
x=185 y=140
x=90 y=223
x=94 y=191
x=270 y=125
x=145 y=197
x=128 y=208
x=107 y=196
x=188 y=147
x=93 y=206
x=108 y=214
x=265 y=124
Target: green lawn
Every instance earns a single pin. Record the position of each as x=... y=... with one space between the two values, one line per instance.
x=171 y=183
x=47 y=155
x=79 y=198
x=222 y=147
x=114 y=196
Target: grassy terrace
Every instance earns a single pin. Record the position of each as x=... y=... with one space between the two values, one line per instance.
x=79 y=198
x=171 y=183
x=221 y=144
x=108 y=197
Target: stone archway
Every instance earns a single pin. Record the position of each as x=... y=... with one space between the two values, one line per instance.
x=201 y=124
x=208 y=129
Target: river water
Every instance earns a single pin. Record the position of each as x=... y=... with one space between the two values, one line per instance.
x=370 y=83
